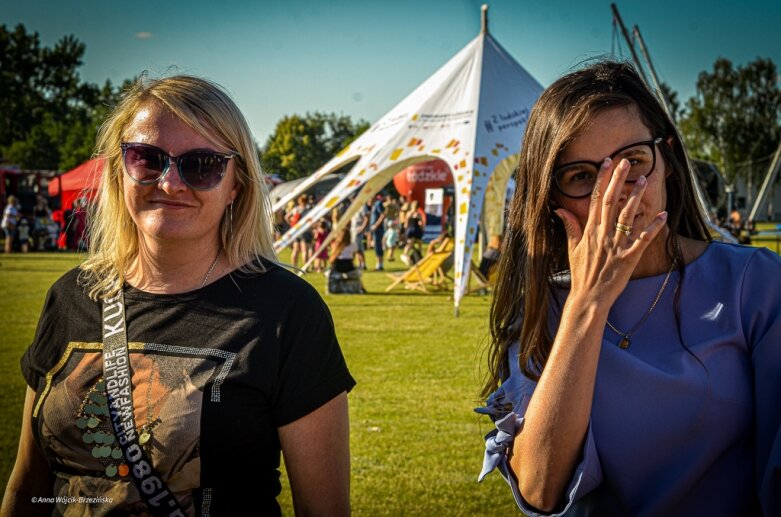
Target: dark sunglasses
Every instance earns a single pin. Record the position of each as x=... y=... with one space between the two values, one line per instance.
x=200 y=169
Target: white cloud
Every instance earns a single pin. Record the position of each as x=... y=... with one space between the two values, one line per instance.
x=144 y=35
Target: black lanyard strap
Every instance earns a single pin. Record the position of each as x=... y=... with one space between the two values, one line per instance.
x=119 y=391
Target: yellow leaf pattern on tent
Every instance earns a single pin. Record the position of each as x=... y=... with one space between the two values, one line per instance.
x=331 y=202
x=396 y=153
x=462 y=209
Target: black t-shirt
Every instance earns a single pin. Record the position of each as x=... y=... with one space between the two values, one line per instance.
x=214 y=372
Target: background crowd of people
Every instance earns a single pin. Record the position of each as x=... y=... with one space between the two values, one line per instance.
x=385 y=224
x=40 y=228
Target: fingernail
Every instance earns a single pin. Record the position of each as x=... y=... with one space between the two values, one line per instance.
x=606 y=162
x=624 y=164
x=663 y=216
x=641 y=180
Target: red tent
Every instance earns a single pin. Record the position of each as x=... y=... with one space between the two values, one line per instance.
x=81 y=181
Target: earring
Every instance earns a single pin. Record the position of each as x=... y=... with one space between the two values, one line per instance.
x=230 y=227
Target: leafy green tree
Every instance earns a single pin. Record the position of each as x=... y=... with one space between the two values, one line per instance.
x=672 y=101
x=21 y=102
x=39 y=149
x=48 y=115
x=302 y=144
x=735 y=117
x=77 y=142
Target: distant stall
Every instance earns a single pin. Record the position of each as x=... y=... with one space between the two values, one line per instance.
x=78 y=182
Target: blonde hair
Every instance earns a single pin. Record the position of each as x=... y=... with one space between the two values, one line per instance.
x=208 y=109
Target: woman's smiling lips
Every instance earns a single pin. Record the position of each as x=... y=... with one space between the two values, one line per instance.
x=169 y=203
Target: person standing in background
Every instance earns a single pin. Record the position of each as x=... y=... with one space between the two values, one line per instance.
x=41 y=220
x=23 y=234
x=377 y=227
x=10 y=220
x=358 y=225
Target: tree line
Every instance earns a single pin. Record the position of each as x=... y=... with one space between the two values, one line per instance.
x=49 y=116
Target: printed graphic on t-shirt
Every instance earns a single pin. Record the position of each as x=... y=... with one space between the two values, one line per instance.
x=168 y=384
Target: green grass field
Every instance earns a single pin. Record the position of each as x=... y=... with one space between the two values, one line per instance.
x=773 y=243
x=416 y=445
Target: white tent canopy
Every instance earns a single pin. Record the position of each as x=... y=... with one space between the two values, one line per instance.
x=471 y=114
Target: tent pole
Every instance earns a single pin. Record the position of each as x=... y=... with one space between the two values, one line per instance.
x=772 y=172
x=657 y=86
x=484 y=19
x=629 y=42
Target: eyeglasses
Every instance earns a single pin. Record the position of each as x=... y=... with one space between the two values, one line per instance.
x=199 y=169
x=577 y=179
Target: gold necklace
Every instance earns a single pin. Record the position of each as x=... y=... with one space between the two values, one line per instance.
x=625 y=341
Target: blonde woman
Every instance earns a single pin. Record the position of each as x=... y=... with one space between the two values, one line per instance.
x=171 y=368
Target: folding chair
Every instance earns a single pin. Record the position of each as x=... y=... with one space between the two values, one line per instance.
x=428 y=273
x=481 y=284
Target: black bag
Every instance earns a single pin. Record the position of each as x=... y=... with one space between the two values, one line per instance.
x=344 y=283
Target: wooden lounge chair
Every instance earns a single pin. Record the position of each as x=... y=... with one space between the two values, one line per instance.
x=427 y=274
x=478 y=283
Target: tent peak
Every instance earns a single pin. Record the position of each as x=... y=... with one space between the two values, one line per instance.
x=484 y=19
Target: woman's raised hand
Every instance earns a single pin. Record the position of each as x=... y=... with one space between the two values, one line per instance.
x=604 y=253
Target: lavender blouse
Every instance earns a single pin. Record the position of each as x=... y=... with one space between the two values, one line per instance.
x=682 y=423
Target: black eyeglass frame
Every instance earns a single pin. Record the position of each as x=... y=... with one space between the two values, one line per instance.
x=650 y=143
x=225 y=157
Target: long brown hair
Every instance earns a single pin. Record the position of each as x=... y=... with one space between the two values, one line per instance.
x=534 y=248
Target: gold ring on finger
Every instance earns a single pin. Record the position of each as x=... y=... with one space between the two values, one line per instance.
x=623 y=228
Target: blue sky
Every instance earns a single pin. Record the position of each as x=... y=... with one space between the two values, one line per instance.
x=360 y=58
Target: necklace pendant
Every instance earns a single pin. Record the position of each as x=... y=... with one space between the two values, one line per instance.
x=625 y=343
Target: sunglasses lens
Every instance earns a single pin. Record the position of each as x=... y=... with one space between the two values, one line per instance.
x=144 y=164
x=202 y=170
